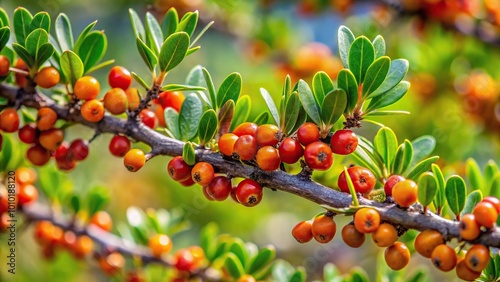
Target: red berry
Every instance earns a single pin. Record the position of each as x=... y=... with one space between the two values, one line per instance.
x=63 y=160
x=37 y=155
x=290 y=150
x=188 y=182
x=204 y=189
x=308 y=133
x=249 y=193
x=149 y=119
x=27 y=134
x=27 y=194
x=362 y=179
x=245 y=147
x=9 y=120
x=246 y=128
x=178 y=169
x=185 y=260
x=220 y=188
x=494 y=201
x=119 y=77
x=318 y=155
x=267 y=135
x=391 y=181
x=119 y=145
x=79 y=149
x=344 y=142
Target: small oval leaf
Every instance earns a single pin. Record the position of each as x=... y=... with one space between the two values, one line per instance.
x=93 y=48
x=427 y=188
x=308 y=101
x=322 y=85
x=71 y=66
x=345 y=40
x=421 y=167
x=455 y=193
x=230 y=89
x=333 y=106
x=242 y=111
x=472 y=200
x=347 y=81
x=379 y=46
x=233 y=266
x=63 y=32
x=173 y=51
x=262 y=259
x=172 y=122
x=385 y=143
x=390 y=97
x=189 y=117
x=225 y=117
x=397 y=72
x=361 y=56
x=271 y=106
x=208 y=127
x=170 y=21
x=188 y=153
x=375 y=75
x=439 y=199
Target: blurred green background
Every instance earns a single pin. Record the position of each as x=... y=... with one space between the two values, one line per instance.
x=455 y=96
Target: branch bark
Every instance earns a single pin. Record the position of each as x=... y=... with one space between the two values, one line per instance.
x=278 y=180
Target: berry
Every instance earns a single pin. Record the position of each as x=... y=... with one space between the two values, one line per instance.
x=21 y=79
x=119 y=145
x=133 y=98
x=112 y=263
x=444 y=257
x=249 y=193
x=405 y=193
x=246 y=128
x=267 y=135
x=115 y=101
x=46 y=118
x=25 y=175
x=464 y=273
x=172 y=99
x=9 y=120
x=367 y=220
x=344 y=142
x=187 y=183
x=202 y=173
x=397 y=256
x=245 y=147
x=226 y=143
x=290 y=150
x=323 y=228
x=204 y=189
x=391 y=181
x=27 y=194
x=385 y=235
x=184 y=260
x=352 y=237
x=268 y=158
x=47 y=77
x=87 y=88
x=178 y=169
x=361 y=177
x=308 y=133
x=27 y=134
x=63 y=160
x=469 y=228
x=486 y=214
x=149 y=119
x=134 y=160
x=159 y=244
x=43 y=231
x=494 y=201
x=102 y=220
x=4 y=65
x=92 y=110
x=302 y=232
x=82 y=246
x=119 y=77
x=426 y=241
x=318 y=155
x=79 y=149
x=477 y=258
x=37 y=155
x=220 y=188
x=51 y=139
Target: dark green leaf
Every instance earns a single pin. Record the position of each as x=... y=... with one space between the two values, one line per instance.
x=233 y=266
x=423 y=146
x=292 y=111
x=271 y=106
x=154 y=36
x=379 y=46
x=427 y=188
x=83 y=35
x=389 y=97
x=148 y=56
x=137 y=25
x=93 y=48
x=347 y=81
x=208 y=127
x=242 y=111
x=35 y=39
x=418 y=276
x=22 y=25
x=180 y=87
x=301 y=119
x=75 y=203
x=375 y=75
x=71 y=66
x=64 y=33
x=455 y=193
x=173 y=50
x=225 y=117
x=189 y=117
x=403 y=158
x=361 y=56
x=188 y=23
x=4 y=36
x=322 y=85
x=210 y=87
x=386 y=144
x=6 y=154
x=363 y=157
x=333 y=106
x=474 y=176
x=41 y=20
x=44 y=53
x=345 y=40
x=359 y=275
x=439 y=199
x=188 y=153
x=230 y=89
x=97 y=198
x=263 y=258
x=472 y=200
x=23 y=54
x=298 y=276
x=172 y=122
x=309 y=102
x=170 y=21
x=421 y=167
x=397 y=72
x=262 y=118
x=4 y=18
x=207 y=239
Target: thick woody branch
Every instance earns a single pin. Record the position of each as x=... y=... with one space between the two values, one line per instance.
x=278 y=180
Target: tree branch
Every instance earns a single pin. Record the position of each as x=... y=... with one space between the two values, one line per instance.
x=278 y=180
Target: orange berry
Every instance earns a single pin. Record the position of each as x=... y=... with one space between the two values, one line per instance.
x=92 y=110
x=46 y=118
x=43 y=231
x=51 y=139
x=82 y=246
x=115 y=101
x=4 y=65
x=202 y=173
x=444 y=257
x=47 y=77
x=366 y=220
x=477 y=257
x=352 y=237
x=134 y=160
x=385 y=235
x=268 y=158
x=198 y=255
x=87 y=88
x=112 y=263
x=426 y=241
x=397 y=256
x=323 y=228
x=133 y=98
x=27 y=194
x=226 y=143
x=37 y=155
x=246 y=128
x=302 y=232
x=469 y=228
x=405 y=193
x=172 y=99
x=9 y=120
x=159 y=244
x=486 y=214
x=267 y=135
x=119 y=77
x=245 y=147
x=25 y=175
x=464 y=273
x=308 y=133
x=102 y=220
x=21 y=79
x=494 y=201
x=246 y=278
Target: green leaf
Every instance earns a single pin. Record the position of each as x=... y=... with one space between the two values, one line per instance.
x=490 y=170
x=347 y=81
x=271 y=106
x=345 y=40
x=44 y=53
x=375 y=75
x=361 y=56
x=4 y=36
x=93 y=48
x=472 y=200
x=368 y=157
x=359 y=275
x=473 y=175
x=230 y=89
x=379 y=46
x=208 y=127
x=23 y=54
x=207 y=239
x=180 y=87
x=188 y=153
x=63 y=32
x=140 y=80
x=331 y=273
x=233 y=266
x=50 y=180
x=148 y=56
x=154 y=222
x=455 y=193
x=210 y=87
x=308 y=101
x=389 y=98
x=173 y=50
x=439 y=199
x=262 y=118
x=242 y=111
x=41 y=20
x=427 y=188
x=35 y=39
x=377 y=113
x=386 y=144
x=192 y=50
x=322 y=85
x=154 y=36
x=281 y=271
x=97 y=198
x=75 y=203
x=301 y=118
x=403 y=158
x=418 y=276
x=238 y=248
x=83 y=35
x=172 y=122
x=189 y=117
x=7 y=152
x=495 y=186
x=397 y=72
x=71 y=66
x=225 y=117
x=188 y=23
x=423 y=146
x=202 y=32
x=137 y=25
x=333 y=106
x=263 y=258
x=4 y=18
x=22 y=25
x=421 y=167
x=292 y=111
x=298 y=276
x=170 y=21
x=352 y=190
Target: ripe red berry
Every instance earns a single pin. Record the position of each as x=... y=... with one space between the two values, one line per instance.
x=4 y=65
x=27 y=194
x=9 y=120
x=63 y=160
x=27 y=134
x=318 y=155
x=79 y=149
x=391 y=181
x=220 y=188
x=245 y=147
x=188 y=182
x=178 y=169
x=149 y=119
x=268 y=158
x=362 y=179
x=202 y=173
x=204 y=189
x=290 y=150
x=184 y=260
x=267 y=135
x=119 y=145
x=308 y=133
x=37 y=155
x=344 y=142
x=246 y=128
x=173 y=99
x=119 y=77
x=494 y=201
x=249 y=193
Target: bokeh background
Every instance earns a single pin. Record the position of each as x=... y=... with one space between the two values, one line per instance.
x=454 y=53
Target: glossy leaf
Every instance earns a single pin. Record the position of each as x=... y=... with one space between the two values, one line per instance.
x=173 y=51
x=189 y=117
x=471 y=201
x=181 y=87
x=427 y=188
x=389 y=98
x=7 y=153
x=333 y=106
x=93 y=48
x=22 y=25
x=44 y=53
x=63 y=32
x=41 y=20
x=140 y=80
x=225 y=117
x=421 y=167
x=301 y=118
x=439 y=199
x=375 y=75
x=397 y=72
x=366 y=157
x=322 y=85
x=148 y=56
x=242 y=111
x=345 y=40
x=23 y=54
x=4 y=18
x=262 y=118
x=71 y=66
x=455 y=193
x=188 y=153
x=233 y=266
x=386 y=144
x=263 y=258
x=308 y=101
x=361 y=56
x=403 y=158
x=188 y=23
x=379 y=46
x=170 y=21
x=35 y=39
x=154 y=36
x=271 y=106
x=137 y=25
x=172 y=122
x=4 y=36
x=473 y=175
x=83 y=35
x=208 y=126
x=494 y=189
x=230 y=89
x=210 y=87
x=423 y=146
x=347 y=81
x=292 y=111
